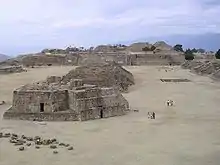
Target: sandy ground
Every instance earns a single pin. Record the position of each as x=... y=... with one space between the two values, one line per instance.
x=186 y=134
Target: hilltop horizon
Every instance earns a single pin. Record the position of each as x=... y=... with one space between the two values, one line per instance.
x=32 y=25
x=209 y=42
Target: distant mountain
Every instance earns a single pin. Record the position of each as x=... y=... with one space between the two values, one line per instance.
x=4 y=57
x=209 y=41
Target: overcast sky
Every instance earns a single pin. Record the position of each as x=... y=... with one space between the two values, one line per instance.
x=27 y=25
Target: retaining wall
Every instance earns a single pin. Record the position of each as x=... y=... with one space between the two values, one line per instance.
x=58 y=116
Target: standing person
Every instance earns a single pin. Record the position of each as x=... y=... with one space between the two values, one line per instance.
x=149 y=116
x=153 y=115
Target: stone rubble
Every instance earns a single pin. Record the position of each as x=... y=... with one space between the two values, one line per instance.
x=22 y=140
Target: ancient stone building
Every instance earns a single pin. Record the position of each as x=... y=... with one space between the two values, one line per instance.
x=106 y=74
x=11 y=69
x=136 y=58
x=54 y=100
x=44 y=59
x=150 y=58
x=210 y=68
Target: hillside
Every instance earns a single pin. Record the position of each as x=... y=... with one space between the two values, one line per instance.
x=3 y=57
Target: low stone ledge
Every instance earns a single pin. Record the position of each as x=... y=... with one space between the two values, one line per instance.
x=58 y=116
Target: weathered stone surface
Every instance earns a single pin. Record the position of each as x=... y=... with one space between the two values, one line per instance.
x=38 y=142
x=55 y=152
x=53 y=146
x=70 y=148
x=19 y=143
x=6 y=135
x=13 y=141
x=138 y=47
x=67 y=145
x=46 y=142
x=37 y=147
x=53 y=140
x=62 y=144
x=30 y=139
x=11 y=69
x=93 y=95
x=21 y=140
x=23 y=137
x=21 y=148
x=14 y=135
x=102 y=75
x=204 y=67
x=28 y=144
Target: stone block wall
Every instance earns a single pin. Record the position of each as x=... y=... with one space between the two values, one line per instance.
x=11 y=69
x=90 y=114
x=154 y=59
x=85 y=102
x=38 y=60
x=97 y=103
x=75 y=83
x=107 y=112
x=120 y=58
x=53 y=79
x=30 y=101
x=58 y=116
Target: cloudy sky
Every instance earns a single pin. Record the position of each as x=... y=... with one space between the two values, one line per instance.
x=29 y=25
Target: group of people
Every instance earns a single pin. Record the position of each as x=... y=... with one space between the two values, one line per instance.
x=152 y=115
x=170 y=103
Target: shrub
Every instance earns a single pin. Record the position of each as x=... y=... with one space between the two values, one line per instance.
x=189 y=55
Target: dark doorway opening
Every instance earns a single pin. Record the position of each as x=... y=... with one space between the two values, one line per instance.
x=101 y=113
x=41 y=107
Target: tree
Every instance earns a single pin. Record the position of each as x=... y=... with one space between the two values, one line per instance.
x=178 y=48
x=217 y=54
x=189 y=54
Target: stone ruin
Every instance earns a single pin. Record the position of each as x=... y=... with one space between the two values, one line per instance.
x=204 y=67
x=39 y=59
x=86 y=93
x=11 y=69
x=103 y=74
x=163 y=54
